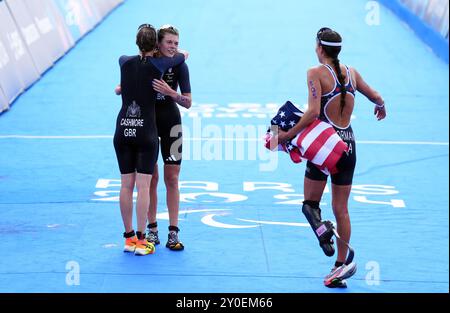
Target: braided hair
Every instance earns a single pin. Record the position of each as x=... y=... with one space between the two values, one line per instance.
x=330 y=41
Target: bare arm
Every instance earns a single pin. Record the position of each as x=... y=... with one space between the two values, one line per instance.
x=184 y=100
x=372 y=95
x=162 y=87
x=313 y=111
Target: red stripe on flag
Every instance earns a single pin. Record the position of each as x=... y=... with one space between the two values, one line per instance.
x=306 y=131
x=334 y=156
x=318 y=143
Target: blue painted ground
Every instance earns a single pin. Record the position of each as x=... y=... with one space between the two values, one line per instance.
x=59 y=208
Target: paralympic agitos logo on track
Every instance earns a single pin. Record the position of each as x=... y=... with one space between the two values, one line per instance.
x=199 y=194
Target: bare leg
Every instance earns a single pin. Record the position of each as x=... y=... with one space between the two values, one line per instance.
x=126 y=200
x=153 y=198
x=313 y=189
x=143 y=200
x=340 y=195
x=171 y=174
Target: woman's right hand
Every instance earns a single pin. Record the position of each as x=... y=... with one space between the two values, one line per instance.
x=283 y=136
x=118 y=90
x=280 y=137
x=186 y=54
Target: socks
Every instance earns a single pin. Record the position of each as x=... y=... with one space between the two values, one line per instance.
x=129 y=235
x=174 y=228
x=140 y=235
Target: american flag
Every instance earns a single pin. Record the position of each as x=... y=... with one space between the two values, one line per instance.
x=318 y=143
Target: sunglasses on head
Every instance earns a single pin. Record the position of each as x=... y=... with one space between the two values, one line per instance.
x=168 y=26
x=145 y=26
x=326 y=43
x=321 y=31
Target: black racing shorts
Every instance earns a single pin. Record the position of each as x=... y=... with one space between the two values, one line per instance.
x=168 y=122
x=137 y=158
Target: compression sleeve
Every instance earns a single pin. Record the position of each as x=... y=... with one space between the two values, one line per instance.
x=123 y=59
x=184 y=82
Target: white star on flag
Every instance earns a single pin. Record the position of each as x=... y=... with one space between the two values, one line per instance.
x=282 y=114
x=283 y=124
x=292 y=123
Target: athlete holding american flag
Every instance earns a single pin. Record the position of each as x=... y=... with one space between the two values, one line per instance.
x=331 y=99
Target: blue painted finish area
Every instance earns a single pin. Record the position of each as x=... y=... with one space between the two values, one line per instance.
x=240 y=209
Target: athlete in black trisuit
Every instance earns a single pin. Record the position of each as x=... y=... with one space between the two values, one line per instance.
x=168 y=121
x=135 y=138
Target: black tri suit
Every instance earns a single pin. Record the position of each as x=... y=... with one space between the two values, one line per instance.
x=136 y=137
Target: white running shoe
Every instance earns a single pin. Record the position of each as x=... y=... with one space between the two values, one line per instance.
x=339 y=274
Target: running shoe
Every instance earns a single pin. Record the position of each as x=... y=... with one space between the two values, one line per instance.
x=152 y=237
x=173 y=243
x=143 y=247
x=338 y=275
x=130 y=244
x=337 y=283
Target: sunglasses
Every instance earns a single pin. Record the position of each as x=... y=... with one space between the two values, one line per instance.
x=145 y=26
x=321 y=31
x=167 y=26
x=326 y=43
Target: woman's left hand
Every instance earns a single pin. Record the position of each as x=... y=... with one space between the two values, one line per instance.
x=162 y=87
x=380 y=112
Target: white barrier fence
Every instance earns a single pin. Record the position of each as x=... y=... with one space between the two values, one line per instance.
x=434 y=12
x=35 y=34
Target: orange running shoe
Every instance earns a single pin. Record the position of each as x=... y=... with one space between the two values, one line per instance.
x=130 y=244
